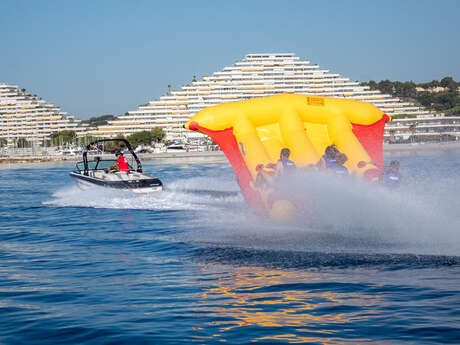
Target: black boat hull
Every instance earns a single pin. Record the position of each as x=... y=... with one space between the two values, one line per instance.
x=143 y=185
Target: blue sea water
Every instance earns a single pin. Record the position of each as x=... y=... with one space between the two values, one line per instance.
x=194 y=265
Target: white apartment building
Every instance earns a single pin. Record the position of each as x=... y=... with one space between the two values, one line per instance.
x=259 y=75
x=23 y=115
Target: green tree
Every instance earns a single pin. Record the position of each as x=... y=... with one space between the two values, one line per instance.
x=445 y=100
x=430 y=85
x=404 y=90
x=440 y=101
x=386 y=86
x=448 y=82
x=455 y=111
x=158 y=134
x=99 y=120
x=63 y=137
x=140 y=138
x=425 y=98
x=22 y=143
x=392 y=135
x=113 y=146
x=88 y=139
x=373 y=85
x=413 y=130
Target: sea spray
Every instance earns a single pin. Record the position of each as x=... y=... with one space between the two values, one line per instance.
x=336 y=215
x=186 y=194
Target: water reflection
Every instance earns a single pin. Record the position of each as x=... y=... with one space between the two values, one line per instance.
x=292 y=306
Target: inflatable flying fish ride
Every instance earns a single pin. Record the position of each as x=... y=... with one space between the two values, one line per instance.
x=253 y=132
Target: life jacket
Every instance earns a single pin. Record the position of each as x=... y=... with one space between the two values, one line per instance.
x=122 y=164
x=330 y=162
x=392 y=179
x=288 y=165
x=340 y=170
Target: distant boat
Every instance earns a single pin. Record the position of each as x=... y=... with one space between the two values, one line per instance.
x=68 y=152
x=176 y=147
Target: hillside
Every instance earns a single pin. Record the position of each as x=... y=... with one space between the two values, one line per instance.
x=442 y=96
x=98 y=120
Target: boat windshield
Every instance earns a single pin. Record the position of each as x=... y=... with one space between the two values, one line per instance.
x=102 y=164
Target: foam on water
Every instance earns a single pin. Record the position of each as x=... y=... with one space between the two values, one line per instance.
x=345 y=215
x=404 y=217
x=337 y=214
x=179 y=195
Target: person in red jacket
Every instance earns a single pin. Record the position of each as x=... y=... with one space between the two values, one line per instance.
x=121 y=164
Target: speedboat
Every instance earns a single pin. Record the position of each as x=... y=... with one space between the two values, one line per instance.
x=97 y=172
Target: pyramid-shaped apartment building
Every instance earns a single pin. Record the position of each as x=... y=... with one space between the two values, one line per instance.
x=259 y=75
x=23 y=115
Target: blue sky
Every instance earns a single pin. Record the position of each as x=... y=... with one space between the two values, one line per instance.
x=107 y=57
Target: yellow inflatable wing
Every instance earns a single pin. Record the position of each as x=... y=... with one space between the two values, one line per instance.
x=254 y=131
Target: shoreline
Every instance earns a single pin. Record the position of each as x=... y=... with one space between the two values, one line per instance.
x=218 y=156
x=421 y=148
x=179 y=157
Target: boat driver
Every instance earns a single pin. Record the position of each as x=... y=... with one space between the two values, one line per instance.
x=121 y=164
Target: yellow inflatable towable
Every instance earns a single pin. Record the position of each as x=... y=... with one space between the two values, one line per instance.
x=253 y=132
